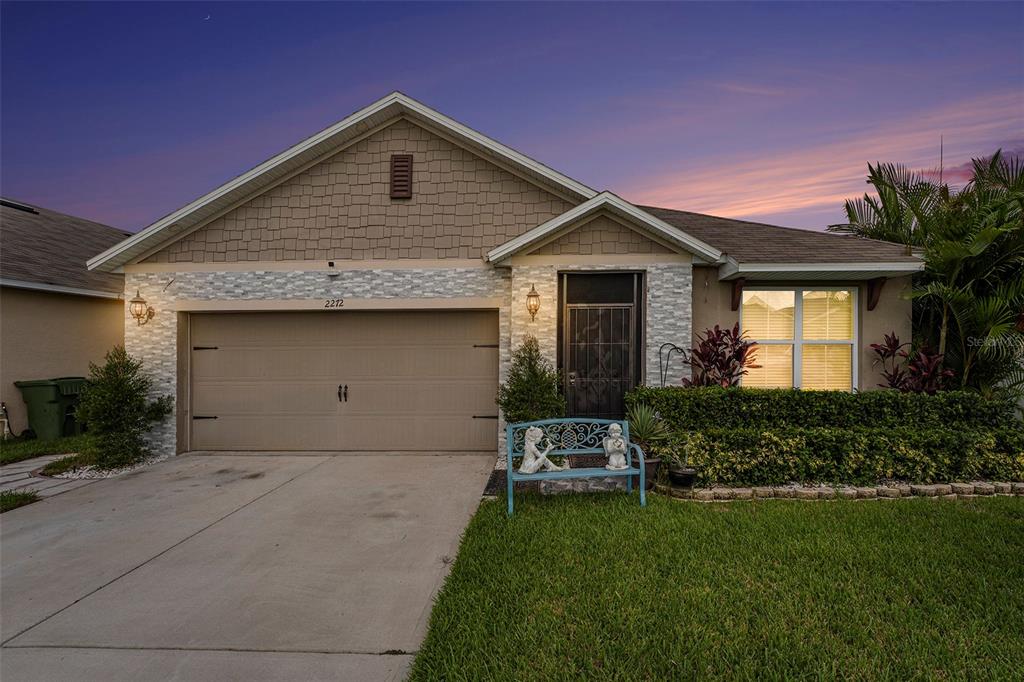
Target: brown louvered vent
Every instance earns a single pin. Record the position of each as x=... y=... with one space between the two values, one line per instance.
x=401 y=176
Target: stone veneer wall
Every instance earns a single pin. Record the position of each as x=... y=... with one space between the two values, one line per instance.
x=668 y=310
x=668 y=314
x=156 y=343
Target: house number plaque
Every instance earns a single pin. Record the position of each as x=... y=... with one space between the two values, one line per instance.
x=334 y=303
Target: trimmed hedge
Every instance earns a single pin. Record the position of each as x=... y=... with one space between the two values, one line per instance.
x=696 y=409
x=751 y=456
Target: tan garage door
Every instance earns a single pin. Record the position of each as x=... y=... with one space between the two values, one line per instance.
x=344 y=381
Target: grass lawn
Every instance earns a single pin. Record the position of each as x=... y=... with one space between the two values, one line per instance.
x=12 y=451
x=593 y=587
x=12 y=499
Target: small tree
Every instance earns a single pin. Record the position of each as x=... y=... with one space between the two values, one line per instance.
x=721 y=357
x=532 y=390
x=115 y=406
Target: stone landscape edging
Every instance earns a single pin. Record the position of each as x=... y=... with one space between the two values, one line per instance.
x=950 y=491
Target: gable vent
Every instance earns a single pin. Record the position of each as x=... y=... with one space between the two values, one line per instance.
x=401 y=176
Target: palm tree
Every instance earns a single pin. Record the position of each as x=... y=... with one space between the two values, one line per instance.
x=972 y=242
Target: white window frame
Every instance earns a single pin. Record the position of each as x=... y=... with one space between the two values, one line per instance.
x=797 y=342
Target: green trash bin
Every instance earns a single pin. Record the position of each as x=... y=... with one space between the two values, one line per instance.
x=51 y=405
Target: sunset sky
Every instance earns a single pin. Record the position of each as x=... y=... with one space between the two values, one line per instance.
x=122 y=113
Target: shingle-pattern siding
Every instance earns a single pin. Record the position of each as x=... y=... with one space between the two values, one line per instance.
x=602 y=235
x=341 y=209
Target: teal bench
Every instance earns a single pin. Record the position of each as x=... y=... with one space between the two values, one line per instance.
x=572 y=437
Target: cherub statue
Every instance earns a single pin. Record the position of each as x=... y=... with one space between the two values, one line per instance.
x=533 y=459
x=615 y=448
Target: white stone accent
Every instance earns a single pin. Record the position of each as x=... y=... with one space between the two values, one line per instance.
x=668 y=314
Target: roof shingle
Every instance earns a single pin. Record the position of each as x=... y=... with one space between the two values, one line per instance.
x=749 y=242
x=46 y=247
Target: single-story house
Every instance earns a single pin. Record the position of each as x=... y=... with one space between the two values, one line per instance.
x=56 y=315
x=364 y=290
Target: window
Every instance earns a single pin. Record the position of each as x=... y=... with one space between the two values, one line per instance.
x=805 y=337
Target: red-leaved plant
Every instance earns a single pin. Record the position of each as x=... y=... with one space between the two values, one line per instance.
x=918 y=372
x=721 y=357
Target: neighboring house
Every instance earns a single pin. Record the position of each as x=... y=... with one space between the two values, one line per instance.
x=364 y=290
x=56 y=316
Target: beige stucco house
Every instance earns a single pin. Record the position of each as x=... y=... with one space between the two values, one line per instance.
x=56 y=316
x=364 y=289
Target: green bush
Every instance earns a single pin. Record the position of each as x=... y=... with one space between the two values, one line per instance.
x=696 y=409
x=758 y=456
x=115 y=406
x=533 y=389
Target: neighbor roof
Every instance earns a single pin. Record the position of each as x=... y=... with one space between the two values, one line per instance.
x=322 y=144
x=43 y=249
x=748 y=242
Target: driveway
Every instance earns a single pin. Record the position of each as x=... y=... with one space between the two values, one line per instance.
x=235 y=567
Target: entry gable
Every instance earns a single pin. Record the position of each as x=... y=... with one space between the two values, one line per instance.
x=622 y=215
x=599 y=235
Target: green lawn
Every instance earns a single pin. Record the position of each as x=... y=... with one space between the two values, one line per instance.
x=593 y=587
x=17 y=450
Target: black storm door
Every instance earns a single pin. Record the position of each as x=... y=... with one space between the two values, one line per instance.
x=600 y=330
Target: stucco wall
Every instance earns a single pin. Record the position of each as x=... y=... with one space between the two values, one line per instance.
x=601 y=235
x=340 y=209
x=45 y=335
x=712 y=303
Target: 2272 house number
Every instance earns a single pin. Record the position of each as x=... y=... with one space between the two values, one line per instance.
x=334 y=303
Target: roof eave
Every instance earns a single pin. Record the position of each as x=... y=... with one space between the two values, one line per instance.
x=732 y=269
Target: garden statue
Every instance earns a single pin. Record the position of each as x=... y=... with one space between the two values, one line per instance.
x=615 y=448
x=533 y=459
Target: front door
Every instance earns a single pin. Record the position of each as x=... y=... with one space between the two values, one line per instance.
x=600 y=329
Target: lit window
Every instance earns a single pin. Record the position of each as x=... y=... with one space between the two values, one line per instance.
x=805 y=337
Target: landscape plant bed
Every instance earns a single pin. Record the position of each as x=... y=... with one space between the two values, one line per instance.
x=845 y=492
x=594 y=587
x=18 y=450
x=12 y=499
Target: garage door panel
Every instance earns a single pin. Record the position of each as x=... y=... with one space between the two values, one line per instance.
x=416 y=380
x=254 y=397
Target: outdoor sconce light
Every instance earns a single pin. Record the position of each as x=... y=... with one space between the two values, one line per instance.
x=533 y=302
x=139 y=310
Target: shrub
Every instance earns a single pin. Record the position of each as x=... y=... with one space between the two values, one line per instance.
x=646 y=427
x=116 y=407
x=753 y=456
x=721 y=357
x=918 y=372
x=532 y=390
x=694 y=409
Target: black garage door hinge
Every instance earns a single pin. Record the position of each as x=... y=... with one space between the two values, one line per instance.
x=485 y=416
x=199 y=416
x=204 y=347
x=485 y=345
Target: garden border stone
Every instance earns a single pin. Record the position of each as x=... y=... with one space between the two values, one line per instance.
x=936 y=491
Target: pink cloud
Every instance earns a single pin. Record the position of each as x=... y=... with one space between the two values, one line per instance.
x=819 y=176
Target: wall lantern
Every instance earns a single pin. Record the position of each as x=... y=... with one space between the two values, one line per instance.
x=139 y=310
x=533 y=302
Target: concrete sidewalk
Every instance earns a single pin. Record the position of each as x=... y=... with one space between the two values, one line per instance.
x=227 y=567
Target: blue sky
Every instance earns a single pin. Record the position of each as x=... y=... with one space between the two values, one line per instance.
x=122 y=112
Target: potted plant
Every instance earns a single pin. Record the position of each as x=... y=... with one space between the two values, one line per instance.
x=647 y=430
x=680 y=473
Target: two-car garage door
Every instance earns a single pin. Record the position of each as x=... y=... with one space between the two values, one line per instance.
x=351 y=380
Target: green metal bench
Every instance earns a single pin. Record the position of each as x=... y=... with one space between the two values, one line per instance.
x=572 y=437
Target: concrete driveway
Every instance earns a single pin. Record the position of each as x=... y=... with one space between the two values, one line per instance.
x=237 y=567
